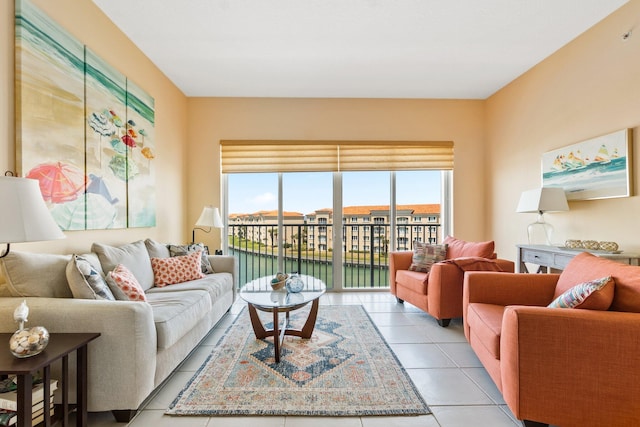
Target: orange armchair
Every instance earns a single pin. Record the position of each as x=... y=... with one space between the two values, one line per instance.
x=439 y=292
x=561 y=366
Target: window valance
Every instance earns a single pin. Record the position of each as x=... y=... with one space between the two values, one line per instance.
x=245 y=156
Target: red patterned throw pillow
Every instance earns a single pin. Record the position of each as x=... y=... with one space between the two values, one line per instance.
x=124 y=280
x=425 y=255
x=178 y=269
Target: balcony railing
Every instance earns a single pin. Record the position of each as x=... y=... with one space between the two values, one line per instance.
x=308 y=249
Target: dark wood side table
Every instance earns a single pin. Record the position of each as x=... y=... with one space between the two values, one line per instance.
x=60 y=346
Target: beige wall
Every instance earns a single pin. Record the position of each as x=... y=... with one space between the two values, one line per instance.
x=87 y=23
x=213 y=119
x=588 y=88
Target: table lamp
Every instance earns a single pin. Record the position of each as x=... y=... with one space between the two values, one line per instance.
x=541 y=200
x=24 y=216
x=210 y=217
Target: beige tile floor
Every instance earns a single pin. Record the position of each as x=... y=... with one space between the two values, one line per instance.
x=442 y=365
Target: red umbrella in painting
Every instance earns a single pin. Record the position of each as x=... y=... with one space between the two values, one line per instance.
x=59 y=182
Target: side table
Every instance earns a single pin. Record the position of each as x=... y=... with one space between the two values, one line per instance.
x=60 y=346
x=553 y=258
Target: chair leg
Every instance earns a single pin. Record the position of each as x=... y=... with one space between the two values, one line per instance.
x=444 y=322
x=400 y=301
x=527 y=423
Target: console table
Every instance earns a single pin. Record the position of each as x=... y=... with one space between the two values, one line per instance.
x=59 y=347
x=553 y=258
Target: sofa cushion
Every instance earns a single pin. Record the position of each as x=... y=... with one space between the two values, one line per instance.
x=215 y=285
x=178 y=269
x=85 y=279
x=124 y=285
x=176 y=313
x=134 y=256
x=585 y=266
x=179 y=250
x=414 y=280
x=485 y=320
x=36 y=275
x=425 y=255
x=457 y=248
x=156 y=249
x=592 y=295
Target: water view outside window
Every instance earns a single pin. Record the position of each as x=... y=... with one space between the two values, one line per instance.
x=307 y=237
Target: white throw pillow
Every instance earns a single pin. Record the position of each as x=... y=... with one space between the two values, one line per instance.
x=85 y=279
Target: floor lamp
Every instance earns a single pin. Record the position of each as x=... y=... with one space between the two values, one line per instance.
x=209 y=218
x=541 y=200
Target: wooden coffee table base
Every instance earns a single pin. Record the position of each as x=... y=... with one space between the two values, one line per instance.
x=278 y=333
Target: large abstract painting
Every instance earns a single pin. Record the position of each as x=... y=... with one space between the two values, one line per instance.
x=594 y=169
x=82 y=129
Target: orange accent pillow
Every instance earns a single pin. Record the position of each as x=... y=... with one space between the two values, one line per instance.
x=177 y=269
x=124 y=280
x=457 y=248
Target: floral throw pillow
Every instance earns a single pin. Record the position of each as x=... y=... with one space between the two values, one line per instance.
x=425 y=255
x=180 y=250
x=178 y=269
x=594 y=295
x=124 y=284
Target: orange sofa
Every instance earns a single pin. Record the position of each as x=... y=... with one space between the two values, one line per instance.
x=439 y=292
x=562 y=366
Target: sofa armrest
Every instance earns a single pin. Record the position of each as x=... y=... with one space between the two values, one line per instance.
x=398 y=261
x=225 y=264
x=506 y=265
x=121 y=361
x=571 y=366
x=445 y=291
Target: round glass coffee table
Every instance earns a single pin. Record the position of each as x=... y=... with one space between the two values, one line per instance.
x=260 y=296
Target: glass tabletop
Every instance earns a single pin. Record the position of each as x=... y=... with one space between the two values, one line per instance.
x=259 y=292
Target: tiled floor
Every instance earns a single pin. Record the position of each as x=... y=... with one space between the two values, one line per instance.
x=442 y=365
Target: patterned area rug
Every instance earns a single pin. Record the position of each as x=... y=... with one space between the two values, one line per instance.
x=345 y=369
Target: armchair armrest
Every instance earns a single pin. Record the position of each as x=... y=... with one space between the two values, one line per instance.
x=398 y=261
x=571 y=366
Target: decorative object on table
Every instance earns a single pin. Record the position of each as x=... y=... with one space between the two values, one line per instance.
x=573 y=244
x=210 y=218
x=541 y=200
x=591 y=244
x=597 y=168
x=279 y=281
x=316 y=378
x=608 y=246
x=24 y=217
x=294 y=283
x=27 y=342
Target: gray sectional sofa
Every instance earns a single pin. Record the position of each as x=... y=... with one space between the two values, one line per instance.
x=141 y=343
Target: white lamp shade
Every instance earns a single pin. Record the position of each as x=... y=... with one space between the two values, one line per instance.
x=24 y=217
x=210 y=217
x=545 y=199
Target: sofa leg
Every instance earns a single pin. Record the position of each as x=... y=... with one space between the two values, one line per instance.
x=124 y=415
x=444 y=322
x=527 y=423
x=400 y=301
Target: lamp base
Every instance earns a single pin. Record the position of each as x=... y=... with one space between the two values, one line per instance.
x=540 y=233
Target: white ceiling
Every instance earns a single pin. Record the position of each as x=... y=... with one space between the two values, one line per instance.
x=463 y=49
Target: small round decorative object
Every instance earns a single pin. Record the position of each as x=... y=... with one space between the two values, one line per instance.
x=295 y=284
x=591 y=244
x=609 y=246
x=573 y=244
x=28 y=342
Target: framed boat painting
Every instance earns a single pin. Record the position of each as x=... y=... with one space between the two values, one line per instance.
x=598 y=168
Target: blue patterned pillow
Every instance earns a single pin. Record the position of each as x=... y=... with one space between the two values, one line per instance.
x=578 y=296
x=85 y=281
